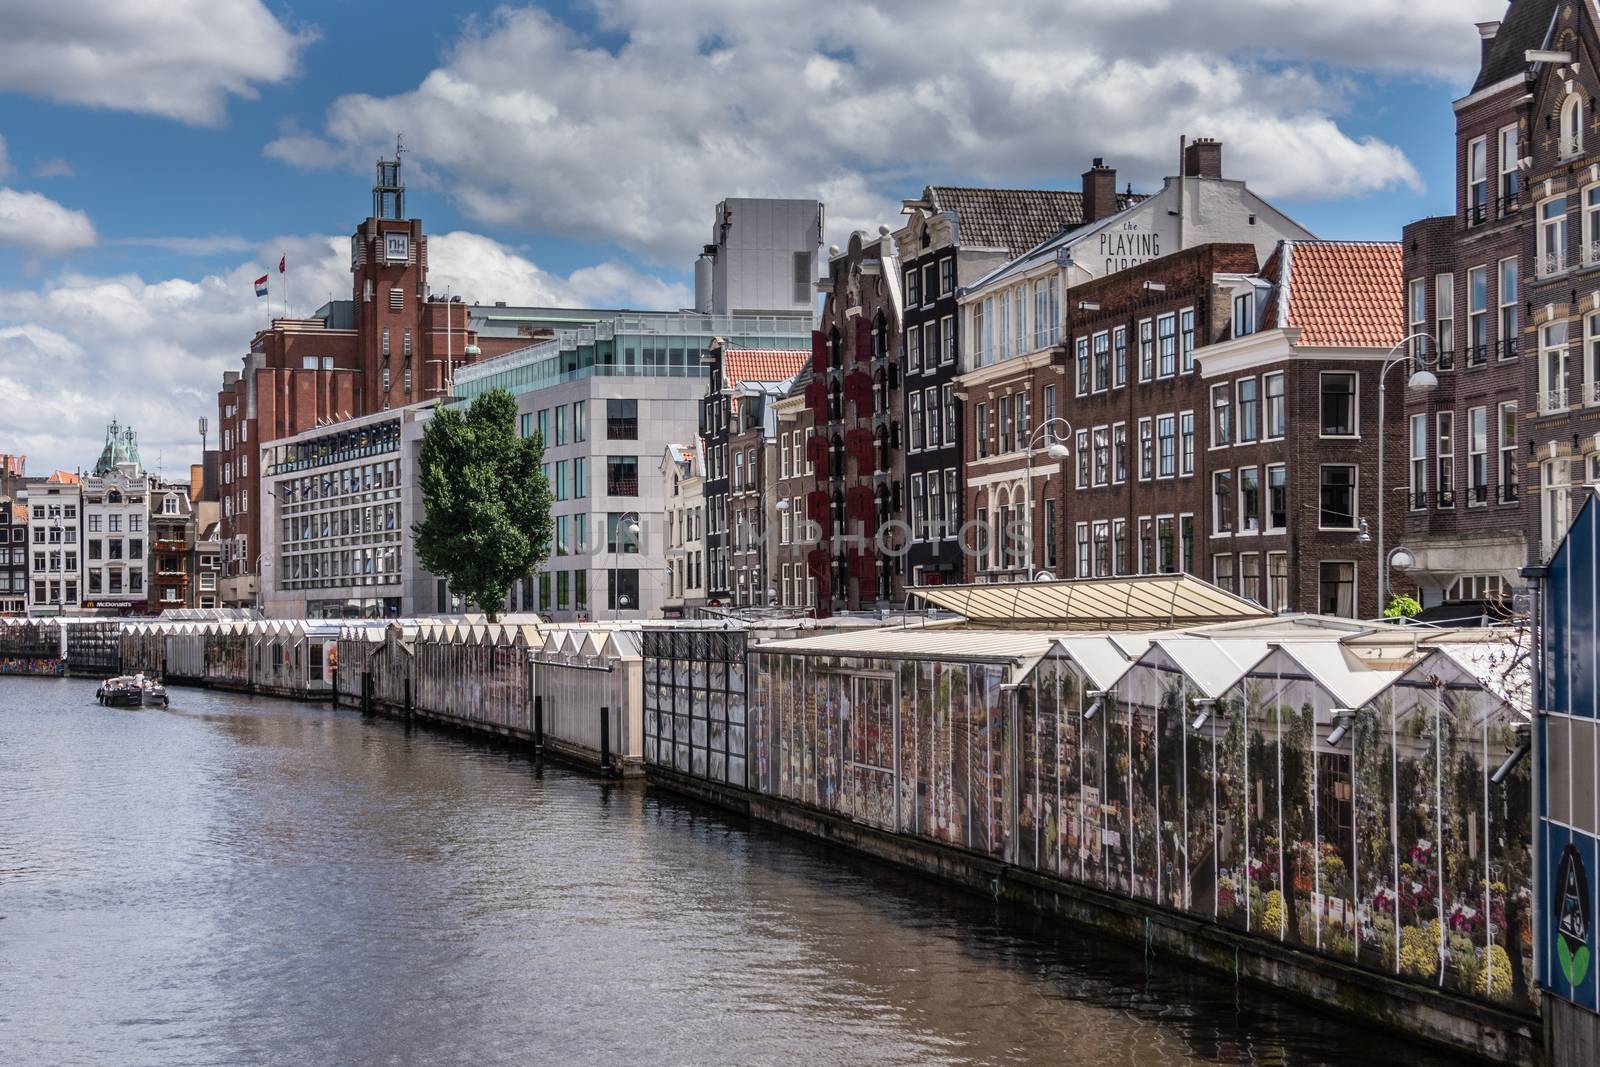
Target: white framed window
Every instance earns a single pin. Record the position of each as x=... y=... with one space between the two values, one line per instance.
x=1572 y=126
x=1082 y=363
x=1147 y=449
x=1222 y=571
x=1417 y=307
x=1277 y=412
x=1591 y=360
x=1119 y=546
x=1085 y=568
x=1477 y=316
x=1590 y=252
x=1336 y=588
x=1419 y=462
x=950 y=412
x=1186 y=443
x=1144 y=558
x=915 y=421
x=1339 y=404
x=1509 y=475
x=913 y=287
x=1509 y=322
x=1249 y=500
x=1277 y=502
x=1147 y=349
x=1445 y=453
x=1167 y=345
x=1101 y=348
x=1477 y=181
x=1166 y=446
x=1221 y=415
x=1555 y=503
x=933 y=417
x=913 y=345
x=1119 y=453
x=947 y=346
x=1477 y=456
x=1102 y=455
x=1119 y=357
x=1553 y=368
x=1552 y=236
x=1277 y=581
x=1222 y=503
x=1081 y=457
x=1186 y=339
x=1244 y=313
x=1444 y=319
x=1248 y=421
x=1510 y=179
x=1339 y=506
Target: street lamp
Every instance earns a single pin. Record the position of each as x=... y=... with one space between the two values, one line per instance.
x=1422 y=380
x=627 y=523
x=1056 y=450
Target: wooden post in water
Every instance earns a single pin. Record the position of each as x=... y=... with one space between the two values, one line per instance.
x=605 y=740
x=408 y=698
x=366 y=692
x=538 y=724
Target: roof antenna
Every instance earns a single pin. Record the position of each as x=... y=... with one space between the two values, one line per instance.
x=399 y=145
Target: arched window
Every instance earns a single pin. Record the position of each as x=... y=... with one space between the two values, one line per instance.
x=1572 y=125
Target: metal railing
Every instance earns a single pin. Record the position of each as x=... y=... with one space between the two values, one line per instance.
x=1552 y=401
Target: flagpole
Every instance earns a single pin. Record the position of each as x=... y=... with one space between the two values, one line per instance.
x=283 y=259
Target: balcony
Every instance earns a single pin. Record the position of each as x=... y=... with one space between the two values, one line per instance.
x=1591 y=391
x=1478 y=494
x=1552 y=263
x=1552 y=401
x=1508 y=492
x=1508 y=202
x=1477 y=355
x=1508 y=348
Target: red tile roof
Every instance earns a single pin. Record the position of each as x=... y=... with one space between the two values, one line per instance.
x=1343 y=294
x=64 y=478
x=761 y=365
x=19 y=513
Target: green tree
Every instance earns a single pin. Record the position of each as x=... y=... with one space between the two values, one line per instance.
x=488 y=505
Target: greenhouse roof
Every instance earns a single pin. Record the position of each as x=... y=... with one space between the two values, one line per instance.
x=1104 y=658
x=922 y=642
x=1149 y=602
x=1339 y=671
x=1214 y=665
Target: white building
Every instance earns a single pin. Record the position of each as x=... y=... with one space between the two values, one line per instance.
x=54 y=521
x=683 y=469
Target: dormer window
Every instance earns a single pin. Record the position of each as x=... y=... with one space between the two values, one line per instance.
x=1572 y=126
x=1244 y=313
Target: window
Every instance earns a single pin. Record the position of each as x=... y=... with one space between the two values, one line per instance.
x=1082 y=531
x=1186 y=543
x=930 y=345
x=561 y=483
x=1508 y=452
x=1477 y=180
x=915 y=420
x=622 y=420
x=913 y=287
x=981 y=353
x=623 y=592
x=1147 y=450
x=1249 y=500
x=1119 y=356
x=1186 y=442
x=1339 y=404
x=580 y=477
x=1553 y=368
x=1119 y=453
x=947 y=344
x=1222 y=571
x=1508 y=308
x=1572 y=126
x=1102 y=361
x=1222 y=502
x=947 y=275
x=1417 y=303
x=913 y=347
x=1336 y=589
x=1552 y=236
x=1082 y=458
x=1119 y=542
x=1166 y=446
x=1186 y=338
x=1244 y=313
x=1250 y=577
x=1555 y=503
x=1145 y=556
x=1167 y=345
x=1249 y=423
x=1023 y=405
x=1338 y=511
x=1419 y=462
x=1221 y=416
x=950 y=412
x=1050 y=560
x=1477 y=316
x=1147 y=349
x=1166 y=546
x=622 y=475
x=1477 y=456
x=1277 y=498
x=980 y=430
x=384 y=342
x=397 y=299
x=1444 y=319
x=1446 y=477
x=1102 y=455
x=1084 y=380
x=1510 y=182
x=1277 y=581
x=1003 y=410
x=1276 y=410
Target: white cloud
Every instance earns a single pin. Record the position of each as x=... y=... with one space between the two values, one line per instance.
x=5 y=164
x=530 y=125
x=36 y=222
x=181 y=59
x=79 y=350
x=53 y=167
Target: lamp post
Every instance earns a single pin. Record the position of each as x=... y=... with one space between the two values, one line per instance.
x=1056 y=450
x=627 y=524
x=1422 y=380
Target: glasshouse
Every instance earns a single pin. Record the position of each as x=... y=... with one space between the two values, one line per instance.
x=1299 y=779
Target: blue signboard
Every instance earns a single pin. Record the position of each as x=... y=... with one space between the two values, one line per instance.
x=1568 y=748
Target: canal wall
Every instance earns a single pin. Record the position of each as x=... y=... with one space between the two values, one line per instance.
x=1163 y=936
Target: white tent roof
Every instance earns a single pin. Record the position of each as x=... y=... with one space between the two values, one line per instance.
x=1148 y=602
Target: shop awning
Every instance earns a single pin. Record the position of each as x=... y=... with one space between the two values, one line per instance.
x=1148 y=602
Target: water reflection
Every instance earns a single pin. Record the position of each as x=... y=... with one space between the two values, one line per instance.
x=248 y=881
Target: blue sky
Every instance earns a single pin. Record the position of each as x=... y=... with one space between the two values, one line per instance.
x=573 y=151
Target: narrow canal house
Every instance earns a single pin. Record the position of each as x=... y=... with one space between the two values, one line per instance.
x=1467 y=313
x=1014 y=369
x=856 y=448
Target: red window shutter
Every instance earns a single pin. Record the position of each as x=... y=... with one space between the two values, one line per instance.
x=819 y=350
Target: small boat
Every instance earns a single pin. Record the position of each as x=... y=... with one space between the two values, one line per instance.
x=131 y=691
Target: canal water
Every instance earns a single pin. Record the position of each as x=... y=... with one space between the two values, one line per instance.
x=249 y=881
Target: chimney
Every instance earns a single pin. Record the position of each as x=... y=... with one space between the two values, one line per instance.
x=1203 y=159
x=1488 y=31
x=1099 y=192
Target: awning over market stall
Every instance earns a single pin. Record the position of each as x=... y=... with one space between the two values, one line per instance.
x=1148 y=602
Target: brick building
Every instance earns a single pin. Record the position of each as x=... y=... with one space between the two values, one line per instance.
x=1462 y=519
x=392 y=344
x=13 y=556
x=952 y=237
x=795 y=475
x=853 y=394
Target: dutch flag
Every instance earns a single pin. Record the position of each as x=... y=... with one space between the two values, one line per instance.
x=261 y=286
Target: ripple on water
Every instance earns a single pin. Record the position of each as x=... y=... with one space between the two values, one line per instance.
x=242 y=881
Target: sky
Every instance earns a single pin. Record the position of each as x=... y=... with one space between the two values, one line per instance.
x=158 y=155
